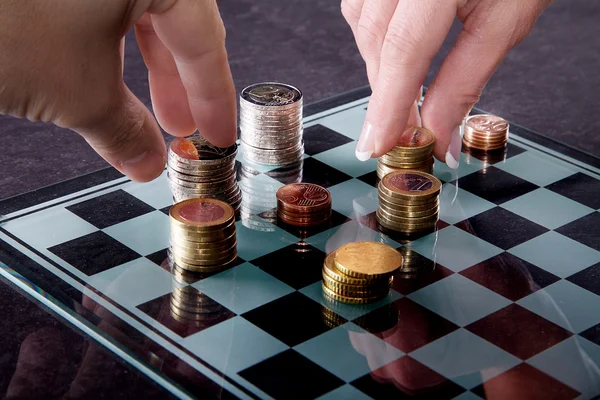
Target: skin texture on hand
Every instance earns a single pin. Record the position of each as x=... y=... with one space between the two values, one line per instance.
x=62 y=62
x=398 y=40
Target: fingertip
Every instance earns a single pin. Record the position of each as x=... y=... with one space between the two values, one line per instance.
x=144 y=167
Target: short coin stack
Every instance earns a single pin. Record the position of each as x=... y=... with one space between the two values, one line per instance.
x=485 y=132
x=271 y=127
x=360 y=272
x=188 y=305
x=408 y=201
x=197 y=169
x=303 y=204
x=203 y=235
x=413 y=151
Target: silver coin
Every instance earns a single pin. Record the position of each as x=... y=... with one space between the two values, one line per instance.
x=271 y=94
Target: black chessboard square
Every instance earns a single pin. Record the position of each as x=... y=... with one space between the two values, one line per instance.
x=159 y=257
x=319 y=173
x=579 y=187
x=289 y=375
x=427 y=272
x=592 y=334
x=588 y=279
x=165 y=210
x=585 y=230
x=293 y=319
x=335 y=220
x=94 y=253
x=495 y=185
x=501 y=228
x=496 y=156
x=319 y=138
x=370 y=178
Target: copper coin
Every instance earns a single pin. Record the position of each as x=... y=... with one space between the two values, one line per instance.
x=486 y=123
x=201 y=212
x=304 y=196
x=416 y=137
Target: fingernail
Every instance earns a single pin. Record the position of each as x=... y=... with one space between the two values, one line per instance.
x=453 y=153
x=144 y=167
x=365 y=146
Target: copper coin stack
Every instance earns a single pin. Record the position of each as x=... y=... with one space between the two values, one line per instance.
x=360 y=272
x=408 y=201
x=485 y=132
x=303 y=204
x=413 y=151
x=203 y=236
x=197 y=169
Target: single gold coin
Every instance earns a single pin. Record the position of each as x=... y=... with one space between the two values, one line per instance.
x=201 y=213
x=367 y=259
x=330 y=270
x=410 y=185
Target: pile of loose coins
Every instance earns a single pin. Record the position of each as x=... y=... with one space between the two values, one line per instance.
x=360 y=272
x=413 y=151
x=485 y=132
x=271 y=129
x=408 y=201
x=303 y=204
x=197 y=169
x=203 y=235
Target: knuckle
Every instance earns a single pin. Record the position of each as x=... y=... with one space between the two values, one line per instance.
x=129 y=129
x=369 y=33
x=401 y=46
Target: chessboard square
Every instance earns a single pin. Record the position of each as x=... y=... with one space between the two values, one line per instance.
x=526 y=382
x=557 y=254
x=426 y=275
x=495 y=185
x=454 y=248
x=547 y=208
x=459 y=299
x=466 y=167
x=496 y=157
x=49 y=227
x=573 y=362
x=345 y=392
x=588 y=279
x=289 y=375
x=319 y=173
x=565 y=304
x=156 y=193
x=160 y=257
x=344 y=159
x=536 y=168
x=501 y=228
x=349 y=122
x=296 y=269
x=233 y=345
x=348 y=352
x=319 y=138
x=243 y=288
x=336 y=219
x=133 y=283
x=509 y=276
x=354 y=198
x=145 y=234
x=346 y=311
x=370 y=178
x=462 y=357
x=252 y=244
x=110 y=209
x=584 y=230
x=293 y=318
x=592 y=334
x=457 y=205
x=407 y=378
x=579 y=187
x=518 y=331
x=94 y=253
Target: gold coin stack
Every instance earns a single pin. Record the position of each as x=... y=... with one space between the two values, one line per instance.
x=187 y=304
x=408 y=201
x=413 y=151
x=203 y=235
x=485 y=132
x=360 y=272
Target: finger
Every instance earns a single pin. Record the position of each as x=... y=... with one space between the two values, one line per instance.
x=194 y=33
x=169 y=98
x=414 y=118
x=478 y=51
x=351 y=10
x=414 y=36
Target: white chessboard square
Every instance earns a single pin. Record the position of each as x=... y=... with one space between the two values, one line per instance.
x=457 y=204
x=536 y=168
x=156 y=193
x=343 y=158
x=354 y=198
x=349 y=123
x=145 y=234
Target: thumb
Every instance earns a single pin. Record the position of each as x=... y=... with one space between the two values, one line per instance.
x=128 y=137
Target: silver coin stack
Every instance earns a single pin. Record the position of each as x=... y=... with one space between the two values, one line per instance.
x=271 y=127
x=209 y=173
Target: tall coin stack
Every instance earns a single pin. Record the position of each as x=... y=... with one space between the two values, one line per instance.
x=197 y=169
x=360 y=272
x=485 y=132
x=203 y=235
x=303 y=204
x=271 y=128
x=408 y=201
x=413 y=151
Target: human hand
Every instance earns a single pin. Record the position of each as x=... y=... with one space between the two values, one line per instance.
x=399 y=38
x=62 y=62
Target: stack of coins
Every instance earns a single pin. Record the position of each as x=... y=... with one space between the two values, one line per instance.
x=271 y=124
x=203 y=235
x=188 y=305
x=485 y=132
x=413 y=151
x=408 y=201
x=360 y=272
x=303 y=204
x=197 y=169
